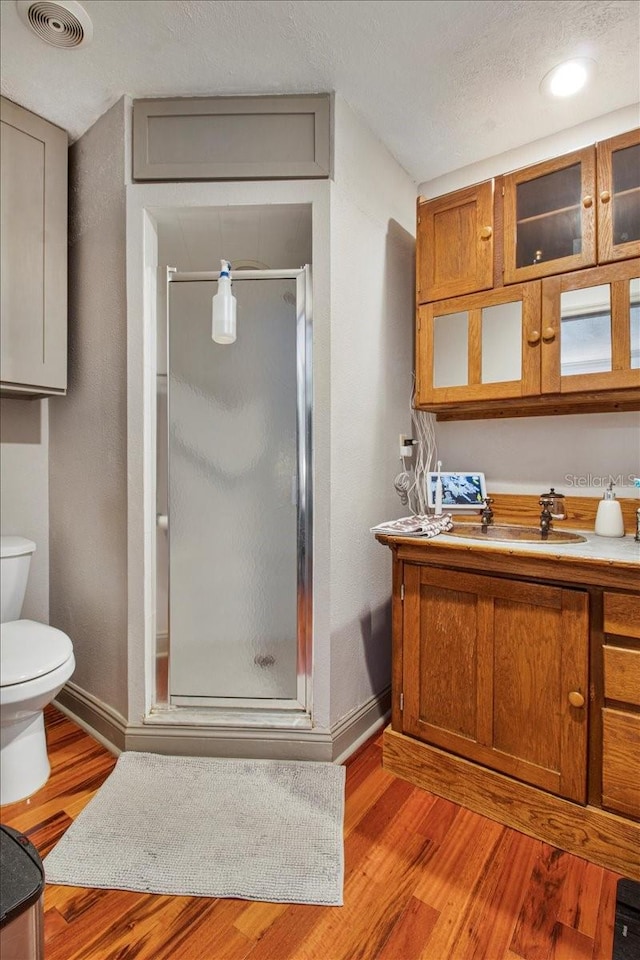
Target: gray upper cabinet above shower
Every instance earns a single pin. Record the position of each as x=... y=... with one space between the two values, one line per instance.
x=33 y=210
x=232 y=138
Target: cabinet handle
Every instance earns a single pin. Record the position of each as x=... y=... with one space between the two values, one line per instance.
x=486 y=233
x=533 y=338
x=549 y=334
x=587 y=201
x=576 y=699
x=605 y=196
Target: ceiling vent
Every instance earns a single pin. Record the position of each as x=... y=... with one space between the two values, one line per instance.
x=63 y=24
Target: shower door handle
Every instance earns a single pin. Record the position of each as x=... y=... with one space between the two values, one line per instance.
x=162 y=520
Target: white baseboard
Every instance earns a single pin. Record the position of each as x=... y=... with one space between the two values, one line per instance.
x=111 y=729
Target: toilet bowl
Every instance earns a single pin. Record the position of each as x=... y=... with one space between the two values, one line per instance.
x=35 y=662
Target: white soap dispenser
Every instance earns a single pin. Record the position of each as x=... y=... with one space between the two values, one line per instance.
x=609 y=522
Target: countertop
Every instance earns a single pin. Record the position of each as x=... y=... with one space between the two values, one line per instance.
x=606 y=549
x=611 y=555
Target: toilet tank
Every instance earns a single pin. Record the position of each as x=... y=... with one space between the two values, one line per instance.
x=15 y=557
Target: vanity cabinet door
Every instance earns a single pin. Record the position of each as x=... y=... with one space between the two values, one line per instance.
x=492 y=669
x=482 y=347
x=550 y=217
x=33 y=209
x=619 y=197
x=591 y=329
x=454 y=246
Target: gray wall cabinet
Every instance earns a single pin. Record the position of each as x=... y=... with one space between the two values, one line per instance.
x=232 y=138
x=33 y=214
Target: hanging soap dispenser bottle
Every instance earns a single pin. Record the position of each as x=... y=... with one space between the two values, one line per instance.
x=609 y=522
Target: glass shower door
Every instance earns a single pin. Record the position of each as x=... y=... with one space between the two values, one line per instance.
x=233 y=497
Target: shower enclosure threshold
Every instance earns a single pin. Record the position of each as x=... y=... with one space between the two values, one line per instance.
x=238 y=719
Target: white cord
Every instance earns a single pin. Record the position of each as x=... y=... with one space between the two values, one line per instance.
x=402 y=483
x=414 y=489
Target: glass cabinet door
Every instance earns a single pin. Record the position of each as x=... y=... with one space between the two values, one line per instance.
x=549 y=217
x=591 y=330
x=619 y=197
x=481 y=347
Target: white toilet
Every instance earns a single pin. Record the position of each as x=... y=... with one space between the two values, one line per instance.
x=35 y=662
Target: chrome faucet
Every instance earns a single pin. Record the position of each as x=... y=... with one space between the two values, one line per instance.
x=545 y=516
x=487 y=514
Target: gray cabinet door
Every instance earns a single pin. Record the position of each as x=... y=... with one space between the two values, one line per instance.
x=33 y=214
x=232 y=138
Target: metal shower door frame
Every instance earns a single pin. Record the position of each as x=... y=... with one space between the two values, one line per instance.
x=281 y=712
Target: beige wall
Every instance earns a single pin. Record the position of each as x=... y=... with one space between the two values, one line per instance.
x=24 y=482
x=88 y=443
x=372 y=307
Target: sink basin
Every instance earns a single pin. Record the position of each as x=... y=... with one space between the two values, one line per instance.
x=517 y=534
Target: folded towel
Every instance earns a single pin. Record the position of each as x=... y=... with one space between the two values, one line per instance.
x=419 y=525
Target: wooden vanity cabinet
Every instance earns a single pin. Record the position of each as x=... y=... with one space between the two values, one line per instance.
x=516 y=690
x=454 y=250
x=496 y=670
x=621 y=711
x=33 y=209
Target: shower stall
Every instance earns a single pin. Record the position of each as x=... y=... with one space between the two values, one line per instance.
x=234 y=503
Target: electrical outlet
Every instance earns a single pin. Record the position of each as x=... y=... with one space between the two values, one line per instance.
x=406 y=445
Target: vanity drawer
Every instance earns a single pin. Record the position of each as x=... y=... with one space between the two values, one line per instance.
x=621 y=761
x=622 y=614
x=622 y=675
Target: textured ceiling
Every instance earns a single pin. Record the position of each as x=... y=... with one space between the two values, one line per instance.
x=443 y=84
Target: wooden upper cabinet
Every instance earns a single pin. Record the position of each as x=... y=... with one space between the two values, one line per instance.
x=619 y=197
x=33 y=209
x=455 y=243
x=485 y=346
x=591 y=330
x=496 y=671
x=550 y=217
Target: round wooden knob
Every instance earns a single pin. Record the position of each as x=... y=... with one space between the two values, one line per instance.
x=549 y=334
x=486 y=233
x=587 y=201
x=605 y=196
x=533 y=338
x=576 y=699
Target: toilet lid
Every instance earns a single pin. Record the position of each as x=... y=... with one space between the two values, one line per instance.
x=29 y=650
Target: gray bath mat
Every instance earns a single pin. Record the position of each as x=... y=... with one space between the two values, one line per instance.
x=251 y=829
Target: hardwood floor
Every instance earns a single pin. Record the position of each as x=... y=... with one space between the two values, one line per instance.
x=424 y=878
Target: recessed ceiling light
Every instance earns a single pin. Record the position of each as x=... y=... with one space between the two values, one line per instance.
x=568 y=78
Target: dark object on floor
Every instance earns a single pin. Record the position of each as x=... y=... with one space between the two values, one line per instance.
x=626 y=941
x=21 y=896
